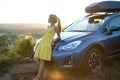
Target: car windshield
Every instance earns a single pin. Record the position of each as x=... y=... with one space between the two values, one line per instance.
x=84 y=25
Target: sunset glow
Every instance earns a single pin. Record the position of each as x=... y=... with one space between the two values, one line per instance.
x=37 y=11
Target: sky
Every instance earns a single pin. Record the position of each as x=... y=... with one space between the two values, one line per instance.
x=37 y=11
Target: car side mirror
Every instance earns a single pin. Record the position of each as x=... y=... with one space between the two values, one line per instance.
x=112 y=29
x=106 y=31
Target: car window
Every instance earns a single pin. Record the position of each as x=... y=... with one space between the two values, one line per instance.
x=115 y=23
x=83 y=25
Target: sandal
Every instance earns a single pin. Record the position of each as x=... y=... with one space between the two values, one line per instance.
x=44 y=76
x=36 y=78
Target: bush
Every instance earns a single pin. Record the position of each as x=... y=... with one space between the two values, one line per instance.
x=25 y=46
x=4 y=61
x=12 y=53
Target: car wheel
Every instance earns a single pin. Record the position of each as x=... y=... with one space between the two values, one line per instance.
x=94 y=60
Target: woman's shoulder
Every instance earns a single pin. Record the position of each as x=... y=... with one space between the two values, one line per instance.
x=55 y=27
x=52 y=26
x=48 y=27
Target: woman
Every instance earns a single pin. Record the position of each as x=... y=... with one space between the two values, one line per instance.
x=44 y=49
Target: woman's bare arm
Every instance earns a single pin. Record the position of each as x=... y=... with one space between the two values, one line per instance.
x=58 y=34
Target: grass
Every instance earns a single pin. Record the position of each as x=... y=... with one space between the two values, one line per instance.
x=111 y=70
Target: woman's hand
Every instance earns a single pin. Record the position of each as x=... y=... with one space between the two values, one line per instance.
x=57 y=39
x=54 y=41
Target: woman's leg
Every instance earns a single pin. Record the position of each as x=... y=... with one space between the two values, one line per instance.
x=41 y=69
x=44 y=74
x=36 y=60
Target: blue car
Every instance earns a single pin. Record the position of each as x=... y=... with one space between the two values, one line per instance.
x=88 y=42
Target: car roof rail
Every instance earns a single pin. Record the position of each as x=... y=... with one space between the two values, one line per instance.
x=102 y=13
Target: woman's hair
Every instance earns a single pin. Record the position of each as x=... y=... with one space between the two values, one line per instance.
x=55 y=19
x=59 y=24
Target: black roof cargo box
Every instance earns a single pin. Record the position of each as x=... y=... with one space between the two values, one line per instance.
x=103 y=6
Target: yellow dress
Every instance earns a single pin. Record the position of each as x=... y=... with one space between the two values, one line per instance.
x=44 y=49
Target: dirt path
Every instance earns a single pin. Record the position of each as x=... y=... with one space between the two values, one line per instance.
x=15 y=71
x=27 y=71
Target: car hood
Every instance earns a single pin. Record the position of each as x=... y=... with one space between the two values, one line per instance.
x=72 y=35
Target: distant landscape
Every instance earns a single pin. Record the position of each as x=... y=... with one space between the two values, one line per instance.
x=21 y=25
x=26 y=29
x=25 y=26
x=34 y=30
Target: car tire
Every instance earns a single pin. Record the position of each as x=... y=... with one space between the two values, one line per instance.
x=94 y=60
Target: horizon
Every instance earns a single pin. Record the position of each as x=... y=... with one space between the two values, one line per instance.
x=22 y=26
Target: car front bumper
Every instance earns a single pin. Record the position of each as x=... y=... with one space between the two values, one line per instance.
x=68 y=59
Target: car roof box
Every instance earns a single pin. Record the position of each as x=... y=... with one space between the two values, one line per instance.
x=104 y=6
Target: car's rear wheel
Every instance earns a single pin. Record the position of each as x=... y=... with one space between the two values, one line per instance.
x=94 y=60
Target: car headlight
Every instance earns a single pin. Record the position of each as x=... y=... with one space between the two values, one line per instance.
x=70 y=46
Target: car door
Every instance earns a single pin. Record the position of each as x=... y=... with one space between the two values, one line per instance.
x=113 y=39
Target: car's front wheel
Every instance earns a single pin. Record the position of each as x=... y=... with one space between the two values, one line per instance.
x=94 y=60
